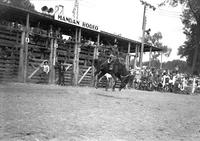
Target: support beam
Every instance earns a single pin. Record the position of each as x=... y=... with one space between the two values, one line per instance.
x=143 y=34
x=54 y=60
x=75 y=59
x=53 y=46
x=76 y=56
x=161 y=60
x=136 y=55
x=150 y=56
x=26 y=48
x=21 y=59
x=84 y=75
x=144 y=27
x=128 y=56
x=95 y=56
x=51 y=57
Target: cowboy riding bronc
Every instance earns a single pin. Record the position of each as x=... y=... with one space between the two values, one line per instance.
x=113 y=56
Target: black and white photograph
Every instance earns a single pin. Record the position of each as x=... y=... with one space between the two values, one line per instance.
x=99 y=70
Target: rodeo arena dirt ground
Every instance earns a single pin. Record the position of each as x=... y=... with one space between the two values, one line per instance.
x=33 y=112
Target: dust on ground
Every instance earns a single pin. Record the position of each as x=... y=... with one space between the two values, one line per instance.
x=32 y=112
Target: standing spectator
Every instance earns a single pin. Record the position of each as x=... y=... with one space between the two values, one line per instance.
x=176 y=69
x=165 y=79
x=61 y=74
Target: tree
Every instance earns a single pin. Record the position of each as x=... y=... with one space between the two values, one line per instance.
x=154 y=40
x=182 y=65
x=154 y=63
x=20 y=3
x=191 y=20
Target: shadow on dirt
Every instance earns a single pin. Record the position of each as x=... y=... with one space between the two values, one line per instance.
x=111 y=96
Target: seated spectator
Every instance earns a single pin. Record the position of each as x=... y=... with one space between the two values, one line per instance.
x=45 y=71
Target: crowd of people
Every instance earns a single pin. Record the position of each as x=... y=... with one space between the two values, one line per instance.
x=164 y=81
x=144 y=79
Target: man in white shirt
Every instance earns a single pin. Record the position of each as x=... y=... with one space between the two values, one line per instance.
x=45 y=70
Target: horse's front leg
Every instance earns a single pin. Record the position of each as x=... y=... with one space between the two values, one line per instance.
x=122 y=85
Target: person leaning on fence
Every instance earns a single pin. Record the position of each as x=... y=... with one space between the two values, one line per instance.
x=45 y=71
x=61 y=74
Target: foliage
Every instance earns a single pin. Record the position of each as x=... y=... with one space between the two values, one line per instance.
x=154 y=40
x=154 y=63
x=191 y=20
x=182 y=65
x=171 y=65
x=20 y=3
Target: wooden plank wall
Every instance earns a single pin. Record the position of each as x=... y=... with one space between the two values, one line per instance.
x=10 y=38
x=38 y=51
x=85 y=61
x=87 y=80
x=65 y=53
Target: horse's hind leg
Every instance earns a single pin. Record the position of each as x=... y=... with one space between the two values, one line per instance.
x=122 y=85
x=115 y=82
x=107 y=84
x=96 y=84
x=98 y=79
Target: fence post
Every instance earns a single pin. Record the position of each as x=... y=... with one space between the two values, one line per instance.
x=95 y=56
x=128 y=56
x=26 y=49
x=76 y=56
x=21 y=58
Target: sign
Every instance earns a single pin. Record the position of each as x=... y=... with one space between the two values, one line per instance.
x=59 y=9
x=59 y=15
x=72 y=21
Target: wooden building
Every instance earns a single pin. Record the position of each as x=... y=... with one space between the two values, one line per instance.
x=27 y=38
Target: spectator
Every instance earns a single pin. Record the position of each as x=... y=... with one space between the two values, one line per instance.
x=61 y=74
x=45 y=71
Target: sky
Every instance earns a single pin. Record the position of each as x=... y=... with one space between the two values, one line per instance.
x=125 y=17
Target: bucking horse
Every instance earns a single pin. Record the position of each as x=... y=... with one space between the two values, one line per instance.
x=118 y=70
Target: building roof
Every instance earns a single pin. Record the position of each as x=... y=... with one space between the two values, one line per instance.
x=13 y=13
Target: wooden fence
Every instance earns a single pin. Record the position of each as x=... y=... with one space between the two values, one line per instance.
x=10 y=38
x=39 y=49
